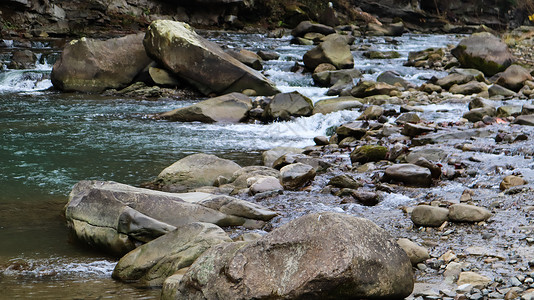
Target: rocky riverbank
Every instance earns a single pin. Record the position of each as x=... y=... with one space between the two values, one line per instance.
x=454 y=194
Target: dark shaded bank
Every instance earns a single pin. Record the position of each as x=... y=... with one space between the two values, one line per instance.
x=35 y=18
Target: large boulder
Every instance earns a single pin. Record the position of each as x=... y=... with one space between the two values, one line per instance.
x=333 y=50
x=230 y=108
x=286 y=105
x=90 y=65
x=117 y=217
x=513 y=77
x=176 y=46
x=296 y=176
x=485 y=52
x=151 y=263
x=194 y=171
x=318 y=256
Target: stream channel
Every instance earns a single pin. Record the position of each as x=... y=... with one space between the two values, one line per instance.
x=50 y=140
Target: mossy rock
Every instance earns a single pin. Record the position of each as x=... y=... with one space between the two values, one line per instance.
x=368 y=153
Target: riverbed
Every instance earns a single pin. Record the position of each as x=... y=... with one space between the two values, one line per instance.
x=52 y=140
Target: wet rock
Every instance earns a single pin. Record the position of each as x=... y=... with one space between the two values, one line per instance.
x=408 y=174
x=177 y=47
x=429 y=216
x=329 y=78
x=416 y=253
x=321 y=140
x=150 y=264
x=508 y=110
x=334 y=51
x=381 y=54
x=454 y=79
x=497 y=90
x=324 y=67
x=90 y=65
x=372 y=112
x=413 y=130
x=511 y=181
x=368 y=153
x=395 y=29
x=195 y=171
x=410 y=117
x=525 y=120
x=480 y=103
x=330 y=105
x=485 y=52
x=23 y=59
x=468 y=213
x=477 y=114
x=527 y=109
x=268 y=55
x=248 y=58
x=394 y=78
x=307 y=26
x=476 y=280
x=296 y=176
x=351 y=129
x=430 y=88
x=345 y=181
x=513 y=77
x=291 y=158
x=435 y=169
x=472 y=87
x=229 y=108
x=287 y=105
x=331 y=257
x=264 y=184
x=369 y=88
x=271 y=155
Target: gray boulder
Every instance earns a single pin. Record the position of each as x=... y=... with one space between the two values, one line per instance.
x=116 y=217
x=296 y=176
x=416 y=253
x=150 y=264
x=286 y=105
x=468 y=213
x=431 y=216
x=318 y=256
x=240 y=178
x=90 y=65
x=307 y=26
x=476 y=114
x=270 y=156
x=513 y=77
x=485 y=52
x=330 y=105
x=195 y=171
x=408 y=174
x=229 y=108
x=176 y=46
x=394 y=78
x=472 y=87
x=334 y=50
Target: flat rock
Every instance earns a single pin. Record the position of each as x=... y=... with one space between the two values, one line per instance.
x=408 y=174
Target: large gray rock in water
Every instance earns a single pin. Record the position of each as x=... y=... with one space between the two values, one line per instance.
x=177 y=47
x=151 y=263
x=318 y=256
x=90 y=65
x=334 y=51
x=485 y=52
x=230 y=108
x=409 y=174
x=194 y=171
x=287 y=105
x=330 y=105
x=117 y=217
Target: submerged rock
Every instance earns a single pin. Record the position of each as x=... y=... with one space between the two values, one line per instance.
x=90 y=65
x=151 y=263
x=318 y=256
x=195 y=171
x=230 y=108
x=177 y=47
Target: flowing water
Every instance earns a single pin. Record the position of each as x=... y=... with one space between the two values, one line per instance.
x=52 y=140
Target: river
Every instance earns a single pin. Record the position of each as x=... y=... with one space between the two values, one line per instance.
x=52 y=140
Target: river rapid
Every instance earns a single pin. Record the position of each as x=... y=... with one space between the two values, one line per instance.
x=52 y=140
